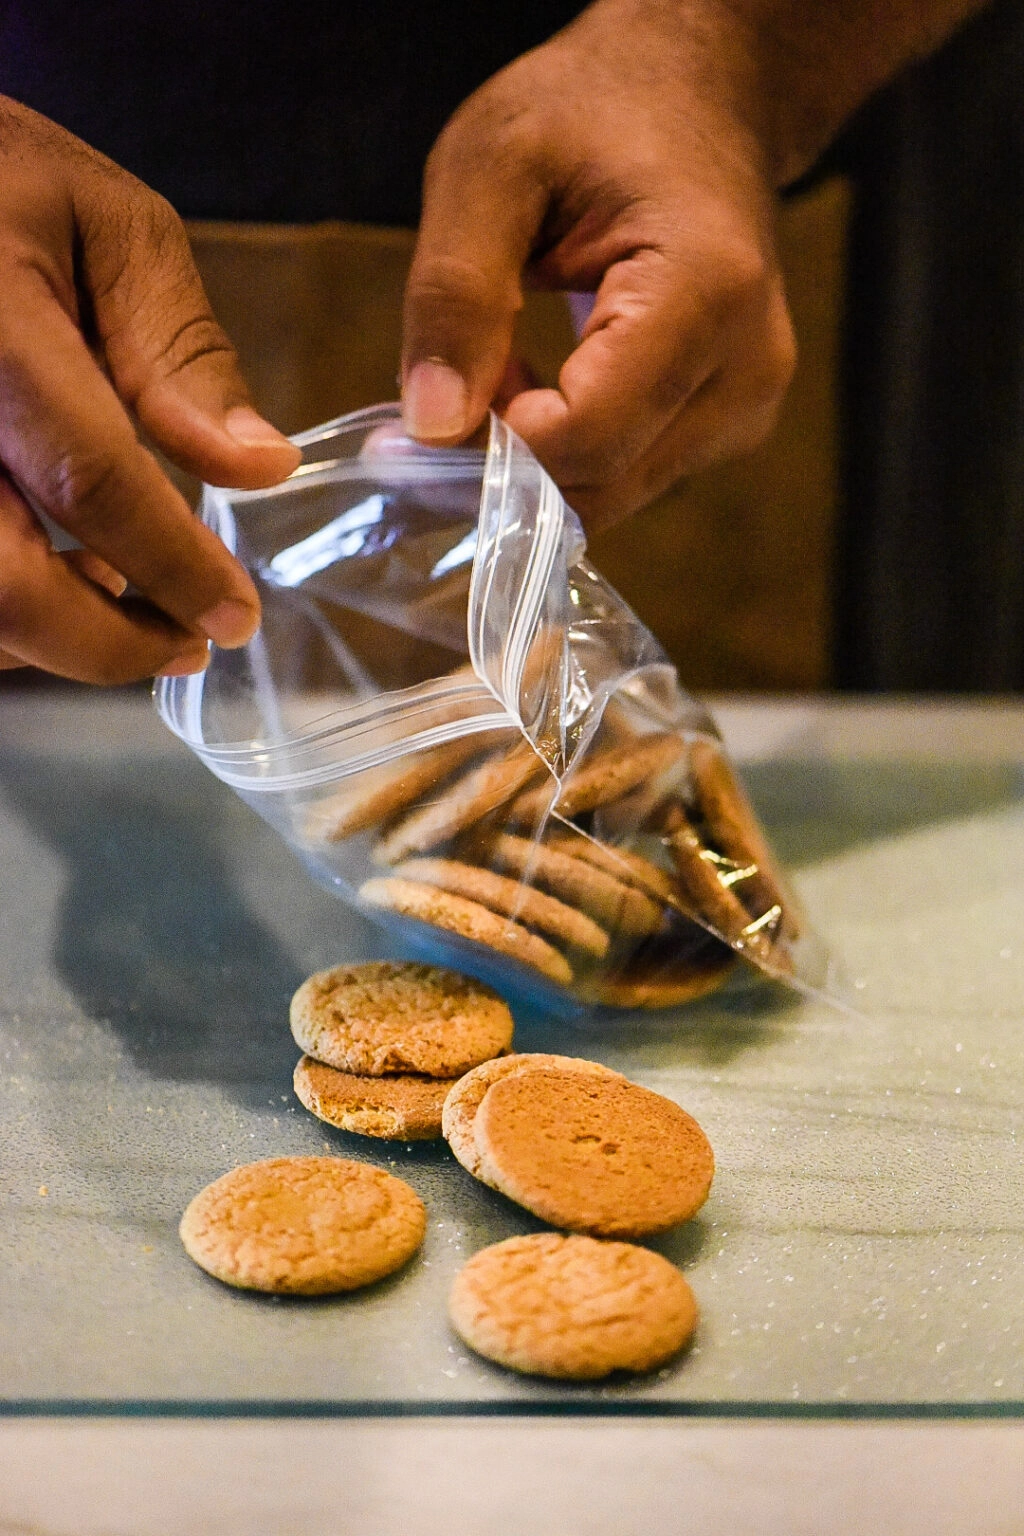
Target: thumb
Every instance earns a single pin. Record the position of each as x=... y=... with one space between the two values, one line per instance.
x=480 y=217
x=168 y=358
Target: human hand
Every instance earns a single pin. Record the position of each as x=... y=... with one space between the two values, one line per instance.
x=625 y=157
x=104 y=324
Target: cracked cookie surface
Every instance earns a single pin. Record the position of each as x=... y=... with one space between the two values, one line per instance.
x=303 y=1226
x=572 y=1307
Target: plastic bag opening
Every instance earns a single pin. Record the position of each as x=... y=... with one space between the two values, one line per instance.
x=463 y=730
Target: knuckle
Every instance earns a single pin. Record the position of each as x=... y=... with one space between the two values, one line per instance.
x=743 y=273
x=198 y=338
x=499 y=115
x=446 y=291
x=82 y=487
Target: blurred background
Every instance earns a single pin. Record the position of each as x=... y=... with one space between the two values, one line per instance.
x=876 y=543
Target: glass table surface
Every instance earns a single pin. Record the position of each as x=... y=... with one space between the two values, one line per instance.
x=863 y=1246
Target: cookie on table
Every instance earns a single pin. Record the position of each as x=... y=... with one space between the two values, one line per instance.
x=470 y=920
x=466 y=1095
x=512 y=899
x=572 y=1307
x=469 y=799
x=618 y=907
x=402 y=1107
x=604 y=776
x=303 y=1226
x=387 y=1016
x=592 y=1154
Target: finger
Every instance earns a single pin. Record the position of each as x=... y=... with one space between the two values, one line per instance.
x=480 y=216
x=167 y=356
x=55 y=618
x=67 y=442
x=730 y=415
x=94 y=569
x=674 y=372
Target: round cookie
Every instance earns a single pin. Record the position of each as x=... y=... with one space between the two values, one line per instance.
x=404 y=1107
x=466 y=1095
x=377 y=797
x=622 y=863
x=617 y=906
x=386 y=1016
x=456 y=914
x=303 y=1226
x=670 y=986
x=591 y=1154
x=603 y=776
x=572 y=1307
x=512 y=899
x=473 y=795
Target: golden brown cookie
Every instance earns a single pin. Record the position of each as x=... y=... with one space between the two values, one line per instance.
x=572 y=1307
x=468 y=800
x=512 y=899
x=621 y=863
x=399 y=1016
x=603 y=776
x=706 y=886
x=412 y=898
x=733 y=828
x=640 y=985
x=590 y=1154
x=465 y=1096
x=618 y=907
x=303 y=1226
x=378 y=796
x=403 y=1107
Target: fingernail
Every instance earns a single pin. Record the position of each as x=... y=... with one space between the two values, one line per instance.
x=228 y=624
x=184 y=666
x=435 y=401
x=248 y=427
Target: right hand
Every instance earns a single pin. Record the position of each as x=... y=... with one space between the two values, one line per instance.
x=616 y=160
x=104 y=324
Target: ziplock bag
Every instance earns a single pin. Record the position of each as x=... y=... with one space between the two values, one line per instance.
x=463 y=730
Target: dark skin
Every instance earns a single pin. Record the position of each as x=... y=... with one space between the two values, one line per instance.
x=104 y=325
x=635 y=156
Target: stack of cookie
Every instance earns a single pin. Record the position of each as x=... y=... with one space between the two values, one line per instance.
x=402 y=1050
x=635 y=882
x=384 y=1041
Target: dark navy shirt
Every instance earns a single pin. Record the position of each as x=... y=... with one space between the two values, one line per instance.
x=266 y=109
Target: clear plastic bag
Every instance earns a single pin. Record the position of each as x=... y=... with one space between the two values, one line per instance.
x=461 y=728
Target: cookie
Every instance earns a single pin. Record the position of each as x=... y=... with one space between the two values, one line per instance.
x=706 y=884
x=601 y=777
x=403 y=1107
x=572 y=1307
x=386 y=1016
x=465 y=1096
x=618 y=907
x=621 y=863
x=412 y=898
x=468 y=800
x=733 y=828
x=511 y=899
x=379 y=796
x=640 y=985
x=590 y=1154
x=303 y=1226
